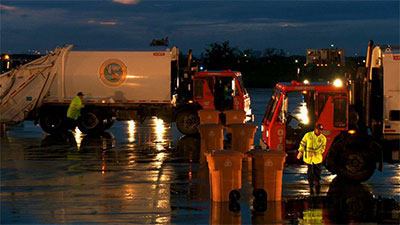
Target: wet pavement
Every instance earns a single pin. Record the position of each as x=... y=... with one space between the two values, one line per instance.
x=149 y=173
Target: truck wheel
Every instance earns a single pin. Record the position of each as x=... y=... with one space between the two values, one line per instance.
x=187 y=122
x=91 y=122
x=356 y=162
x=52 y=122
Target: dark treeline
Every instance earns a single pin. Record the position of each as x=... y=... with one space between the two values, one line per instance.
x=259 y=68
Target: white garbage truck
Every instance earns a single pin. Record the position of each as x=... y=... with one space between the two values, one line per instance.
x=118 y=85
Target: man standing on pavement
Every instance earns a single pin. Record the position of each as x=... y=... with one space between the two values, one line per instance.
x=311 y=148
x=74 y=111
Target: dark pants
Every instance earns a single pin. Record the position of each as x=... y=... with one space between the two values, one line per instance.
x=314 y=176
x=71 y=124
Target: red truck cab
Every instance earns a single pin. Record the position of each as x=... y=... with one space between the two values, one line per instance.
x=295 y=108
x=222 y=90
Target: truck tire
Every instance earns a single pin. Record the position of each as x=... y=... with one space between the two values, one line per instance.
x=91 y=121
x=353 y=161
x=52 y=122
x=187 y=122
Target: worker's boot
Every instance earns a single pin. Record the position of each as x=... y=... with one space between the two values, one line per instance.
x=317 y=187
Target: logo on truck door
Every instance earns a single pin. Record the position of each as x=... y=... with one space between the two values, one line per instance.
x=113 y=72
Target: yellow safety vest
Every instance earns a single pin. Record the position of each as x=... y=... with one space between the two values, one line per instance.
x=313 y=216
x=74 y=109
x=312 y=147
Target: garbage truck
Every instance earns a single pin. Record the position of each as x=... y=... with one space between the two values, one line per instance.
x=359 y=116
x=118 y=85
x=323 y=64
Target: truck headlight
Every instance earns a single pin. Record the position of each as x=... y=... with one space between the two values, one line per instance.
x=338 y=83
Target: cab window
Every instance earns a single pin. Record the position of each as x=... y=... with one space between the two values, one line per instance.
x=198 y=89
x=244 y=90
x=340 y=112
x=273 y=102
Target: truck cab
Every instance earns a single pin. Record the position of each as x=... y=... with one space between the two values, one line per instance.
x=295 y=108
x=221 y=91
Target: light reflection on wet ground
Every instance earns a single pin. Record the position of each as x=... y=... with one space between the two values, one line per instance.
x=148 y=173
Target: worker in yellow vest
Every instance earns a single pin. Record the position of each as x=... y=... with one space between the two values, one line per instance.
x=74 y=111
x=311 y=148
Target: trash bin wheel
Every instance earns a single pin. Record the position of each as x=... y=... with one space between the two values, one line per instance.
x=234 y=195
x=260 y=194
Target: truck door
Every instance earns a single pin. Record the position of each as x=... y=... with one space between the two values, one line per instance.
x=273 y=125
x=203 y=93
x=239 y=95
x=333 y=116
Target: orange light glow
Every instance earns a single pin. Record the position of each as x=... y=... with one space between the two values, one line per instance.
x=78 y=138
x=103 y=101
x=351 y=131
x=131 y=131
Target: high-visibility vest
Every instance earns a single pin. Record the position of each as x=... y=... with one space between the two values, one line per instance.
x=312 y=147
x=74 y=109
x=313 y=216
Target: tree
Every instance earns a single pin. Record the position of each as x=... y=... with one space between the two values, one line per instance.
x=269 y=52
x=160 y=42
x=221 y=56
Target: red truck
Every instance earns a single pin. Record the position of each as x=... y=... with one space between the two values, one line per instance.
x=358 y=115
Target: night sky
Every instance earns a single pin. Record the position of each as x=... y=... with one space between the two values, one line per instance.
x=293 y=26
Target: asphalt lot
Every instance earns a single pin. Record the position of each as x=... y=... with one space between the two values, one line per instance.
x=149 y=173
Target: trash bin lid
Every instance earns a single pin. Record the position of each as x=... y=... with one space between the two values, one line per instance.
x=210 y=125
x=223 y=153
x=266 y=152
x=243 y=125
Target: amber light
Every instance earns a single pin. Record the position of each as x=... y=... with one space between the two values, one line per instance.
x=103 y=101
x=351 y=131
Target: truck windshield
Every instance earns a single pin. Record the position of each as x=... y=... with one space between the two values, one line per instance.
x=241 y=85
x=273 y=102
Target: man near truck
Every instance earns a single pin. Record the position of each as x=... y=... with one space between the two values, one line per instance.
x=74 y=111
x=311 y=148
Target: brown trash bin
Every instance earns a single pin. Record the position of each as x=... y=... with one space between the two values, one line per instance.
x=267 y=172
x=225 y=213
x=225 y=167
x=208 y=116
x=242 y=136
x=212 y=137
x=233 y=116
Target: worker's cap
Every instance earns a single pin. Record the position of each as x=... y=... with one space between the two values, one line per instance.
x=319 y=126
x=80 y=94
